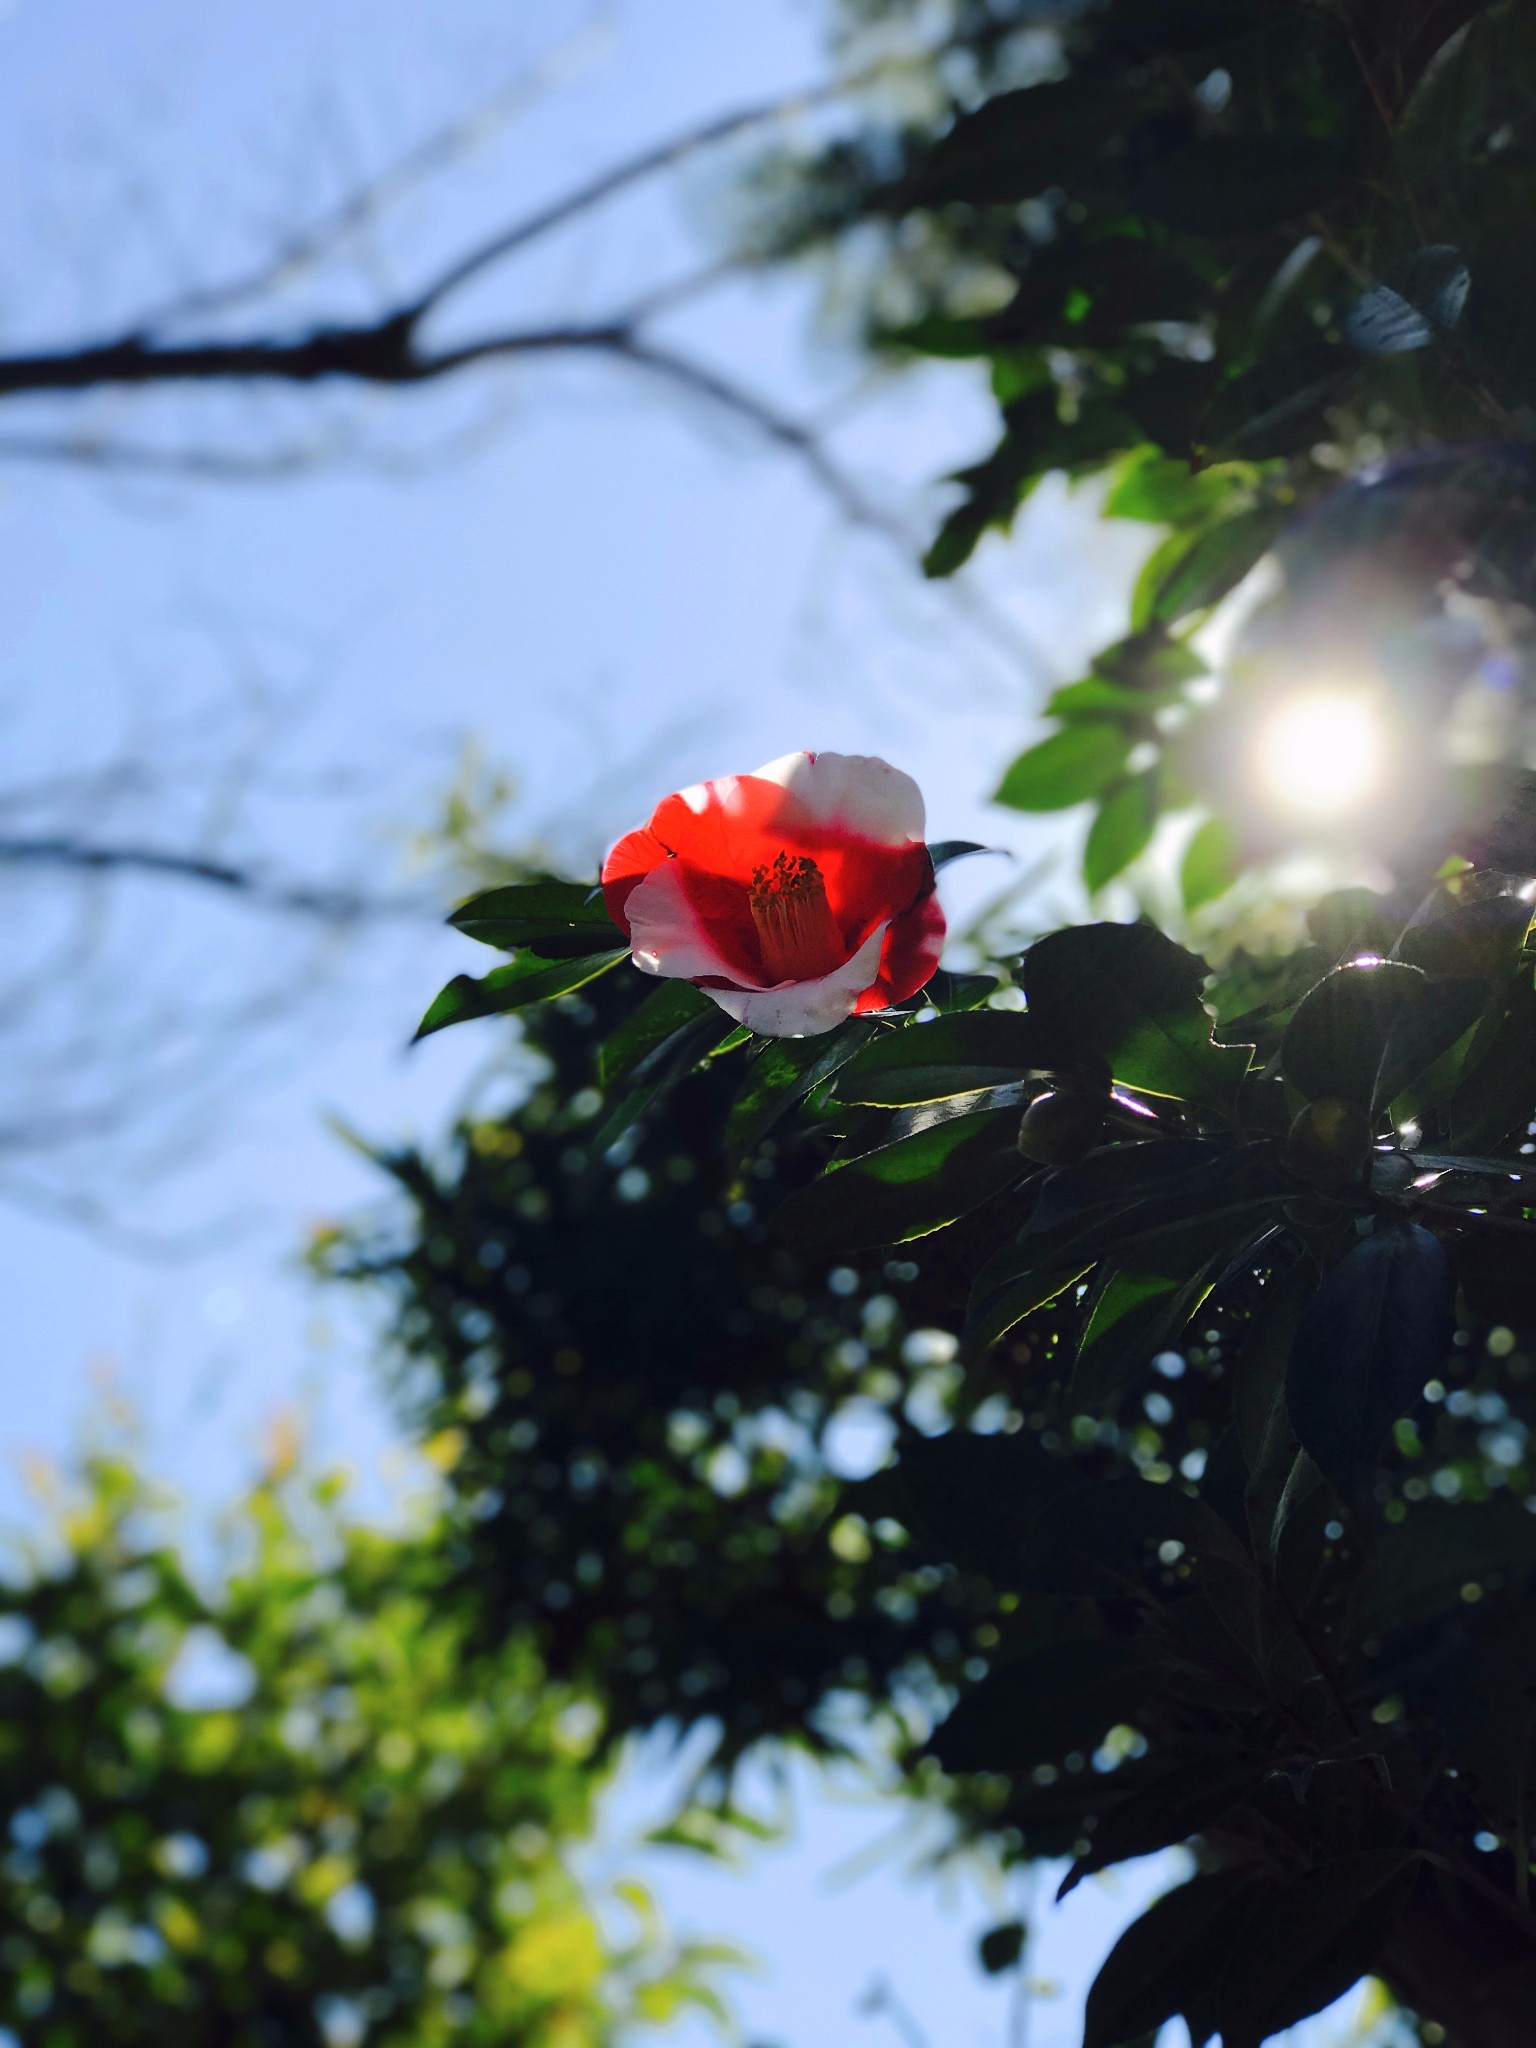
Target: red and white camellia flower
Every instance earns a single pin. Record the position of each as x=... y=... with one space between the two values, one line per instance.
x=795 y=896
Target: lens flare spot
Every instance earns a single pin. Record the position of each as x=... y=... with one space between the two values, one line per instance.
x=1320 y=755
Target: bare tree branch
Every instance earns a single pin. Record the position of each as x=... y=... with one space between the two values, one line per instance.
x=331 y=904
x=388 y=350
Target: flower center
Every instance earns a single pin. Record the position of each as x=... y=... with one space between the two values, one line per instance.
x=796 y=931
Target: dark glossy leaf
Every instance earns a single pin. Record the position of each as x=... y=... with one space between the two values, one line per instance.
x=1372 y=1027
x=1379 y=1325
x=1277 y=406
x=968 y=1500
x=1240 y=184
x=1115 y=1202
x=947 y=1056
x=1349 y=922
x=998 y=1307
x=1482 y=938
x=1037 y=440
x=1015 y=145
x=559 y=918
x=1496 y=1098
x=1061 y=1698
x=951 y=994
x=658 y=1071
x=1000 y=1948
x=1122 y=828
x=1110 y=1537
x=1177 y=1804
x=907 y=1188
x=1210 y=864
x=783 y=1074
x=1422 y=1565
x=943 y=851
x=1261 y=1418
x=1146 y=1301
x=1164 y=1960
x=646 y=1030
x=1066 y=769
x=1310 y=1941
x=1131 y=995
x=529 y=979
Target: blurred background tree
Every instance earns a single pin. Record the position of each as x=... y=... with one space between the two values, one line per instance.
x=272 y=1798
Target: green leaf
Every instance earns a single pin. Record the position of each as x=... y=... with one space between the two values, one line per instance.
x=1095 y=698
x=1117 y=1200
x=559 y=918
x=997 y=1309
x=1131 y=995
x=529 y=979
x=1496 y=1097
x=1169 y=492
x=1146 y=1301
x=1210 y=864
x=1122 y=828
x=1422 y=1564
x=1260 y=1415
x=1379 y=1325
x=1066 y=769
x=1372 y=1027
x=657 y=1070
x=647 y=1029
x=923 y=1179
x=951 y=993
x=1310 y=1941
x=1164 y=1960
x=1178 y=1803
x=1016 y=144
x=947 y=1056
x=1192 y=572
x=1150 y=662
x=1064 y=1697
x=1482 y=938
x=783 y=1074
x=943 y=851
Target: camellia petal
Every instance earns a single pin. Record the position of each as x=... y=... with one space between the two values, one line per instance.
x=801 y=1009
x=854 y=793
x=810 y=875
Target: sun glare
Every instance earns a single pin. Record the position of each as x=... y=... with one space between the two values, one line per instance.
x=1319 y=755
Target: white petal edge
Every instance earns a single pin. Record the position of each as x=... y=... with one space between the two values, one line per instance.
x=666 y=934
x=803 y=1009
x=858 y=792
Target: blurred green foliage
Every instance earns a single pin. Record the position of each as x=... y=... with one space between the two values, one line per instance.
x=274 y=1803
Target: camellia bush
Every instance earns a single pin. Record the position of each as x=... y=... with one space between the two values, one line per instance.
x=1242 y=1548
x=1180 y=1303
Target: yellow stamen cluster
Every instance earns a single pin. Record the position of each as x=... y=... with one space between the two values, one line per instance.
x=796 y=931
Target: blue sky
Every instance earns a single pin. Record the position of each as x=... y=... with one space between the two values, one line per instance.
x=612 y=590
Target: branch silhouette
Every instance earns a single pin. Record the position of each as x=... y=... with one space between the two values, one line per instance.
x=391 y=348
